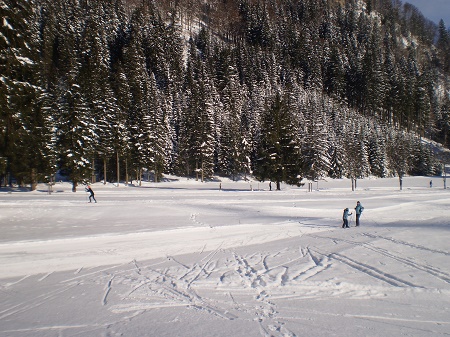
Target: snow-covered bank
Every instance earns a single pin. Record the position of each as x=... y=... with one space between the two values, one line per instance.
x=23 y=258
x=182 y=258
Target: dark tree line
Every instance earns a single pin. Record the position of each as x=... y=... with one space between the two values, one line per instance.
x=282 y=90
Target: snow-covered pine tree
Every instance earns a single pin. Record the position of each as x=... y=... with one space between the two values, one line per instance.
x=279 y=157
x=155 y=150
x=444 y=121
x=422 y=159
x=197 y=127
x=337 y=136
x=231 y=159
x=373 y=75
x=24 y=124
x=444 y=45
x=315 y=147
x=356 y=150
x=74 y=139
x=94 y=78
x=62 y=32
x=138 y=82
x=399 y=154
x=376 y=149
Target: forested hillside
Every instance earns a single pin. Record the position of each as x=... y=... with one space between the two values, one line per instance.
x=278 y=89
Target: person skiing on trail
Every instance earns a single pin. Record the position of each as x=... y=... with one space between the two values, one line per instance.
x=91 y=193
x=345 y=218
x=358 y=210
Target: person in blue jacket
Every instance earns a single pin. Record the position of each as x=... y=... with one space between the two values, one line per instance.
x=358 y=211
x=345 y=218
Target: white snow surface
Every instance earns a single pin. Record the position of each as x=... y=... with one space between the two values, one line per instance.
x=183 y=258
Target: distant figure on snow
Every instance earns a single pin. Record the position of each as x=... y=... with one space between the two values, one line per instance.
x=358 y=210
x=431 y=183
x=345 y=218
x=91 y=193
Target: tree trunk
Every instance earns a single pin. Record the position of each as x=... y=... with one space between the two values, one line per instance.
x=104 y=171
x=203 y=177
x=93 y=171
x=196 y=171
x=33 y=179
x=126 y=171
x=118 y=169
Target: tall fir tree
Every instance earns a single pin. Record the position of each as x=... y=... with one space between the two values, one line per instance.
x=316 y=147
x=279 y=157
x=25 y=138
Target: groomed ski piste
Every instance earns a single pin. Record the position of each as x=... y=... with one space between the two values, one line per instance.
x=184 y=258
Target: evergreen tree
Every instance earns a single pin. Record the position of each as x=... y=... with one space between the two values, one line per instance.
x=231 y=154
x=444 y=118
x=377 y=150
x=374 y=80
x=82 y=80
x=139 y=92
x=316 y=146
x=399 y=154
x=279 y=157
x=155 y=143
x=338 y=139
x=443 y=44
x=356 y=152
x=197 y=129
x=25 y=139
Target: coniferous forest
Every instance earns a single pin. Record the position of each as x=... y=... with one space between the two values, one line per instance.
x=280 y=90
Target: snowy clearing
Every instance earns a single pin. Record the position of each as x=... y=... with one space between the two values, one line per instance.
x=183 y=258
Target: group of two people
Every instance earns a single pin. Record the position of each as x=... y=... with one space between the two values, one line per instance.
x=358 y=211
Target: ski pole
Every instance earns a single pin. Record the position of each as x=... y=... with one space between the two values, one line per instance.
x=376 y=223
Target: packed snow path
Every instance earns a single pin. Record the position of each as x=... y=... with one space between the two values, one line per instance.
x=185 y=259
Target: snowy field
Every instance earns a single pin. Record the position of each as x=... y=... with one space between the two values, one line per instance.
x=183 y=258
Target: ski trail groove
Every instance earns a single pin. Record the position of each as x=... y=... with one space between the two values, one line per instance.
x=107 y=290
x=372 y=271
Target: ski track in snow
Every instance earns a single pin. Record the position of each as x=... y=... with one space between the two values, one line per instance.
x=278 y=282
x=213 y=283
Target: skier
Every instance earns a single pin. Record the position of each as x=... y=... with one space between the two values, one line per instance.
x=358 y=210
x=345 y=218
x=91 y=193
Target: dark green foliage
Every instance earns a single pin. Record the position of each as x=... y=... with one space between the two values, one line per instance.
x=279 y=157
x=25 y=139
x=283 y=89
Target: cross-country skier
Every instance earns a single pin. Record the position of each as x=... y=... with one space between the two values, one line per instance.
x=358 y=210
x=345 y=218
x=91 y=193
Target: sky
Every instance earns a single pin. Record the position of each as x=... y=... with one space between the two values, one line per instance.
x=435 y=10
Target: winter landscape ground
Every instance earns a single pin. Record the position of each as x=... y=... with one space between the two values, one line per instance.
x=183 y=258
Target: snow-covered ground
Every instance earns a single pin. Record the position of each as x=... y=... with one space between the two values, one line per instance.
x=183 y=258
